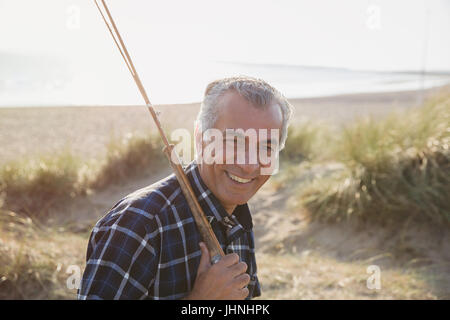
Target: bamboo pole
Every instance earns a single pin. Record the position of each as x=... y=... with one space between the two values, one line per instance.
x=203 y=225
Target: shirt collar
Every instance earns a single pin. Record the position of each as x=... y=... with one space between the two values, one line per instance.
x=212 y=207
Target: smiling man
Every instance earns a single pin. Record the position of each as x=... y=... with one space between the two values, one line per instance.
x=148 y=246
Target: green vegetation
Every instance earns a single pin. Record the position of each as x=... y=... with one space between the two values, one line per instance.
x=33 y=186
x=394 y=168
x=34 y=259
x=307 y=141
x=127 y=157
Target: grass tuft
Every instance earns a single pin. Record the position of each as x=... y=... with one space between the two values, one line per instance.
x=393 y=168
x=33 y=186
x=33 y=259
x=307 y=141
x=127 y=157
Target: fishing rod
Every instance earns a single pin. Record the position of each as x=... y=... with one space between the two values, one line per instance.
x=203 y=225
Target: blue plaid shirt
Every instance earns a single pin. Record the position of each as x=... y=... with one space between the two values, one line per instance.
x=146 y=246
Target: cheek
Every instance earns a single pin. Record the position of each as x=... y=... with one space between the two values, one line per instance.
x=224 y=157
x=228 y=157
x=263 y=179
x=260 y=181
x=213 y=153
x=219 y=172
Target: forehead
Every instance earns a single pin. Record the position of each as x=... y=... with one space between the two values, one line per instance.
x=235 y=112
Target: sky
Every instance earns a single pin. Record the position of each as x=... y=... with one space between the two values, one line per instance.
x=169 y=35
x=383 y=35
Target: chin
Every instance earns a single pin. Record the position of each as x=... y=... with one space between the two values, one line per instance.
x=239 y=202
x=237 y=199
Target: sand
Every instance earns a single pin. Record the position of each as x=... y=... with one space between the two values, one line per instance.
x=27 y=132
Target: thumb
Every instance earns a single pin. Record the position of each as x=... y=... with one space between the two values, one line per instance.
x=205 y=260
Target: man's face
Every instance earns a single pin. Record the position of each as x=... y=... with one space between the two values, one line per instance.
x=237 y=113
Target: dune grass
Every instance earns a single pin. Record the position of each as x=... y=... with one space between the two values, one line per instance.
x=34 y=259
x=307 y=141
x=394 y=168
x=127 y=157
x=32 y=186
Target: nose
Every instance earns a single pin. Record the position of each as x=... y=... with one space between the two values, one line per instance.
x=250 y=166
x=248 y=169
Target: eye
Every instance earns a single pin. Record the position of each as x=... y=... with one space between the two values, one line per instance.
x=268 y=147
x=235 y=141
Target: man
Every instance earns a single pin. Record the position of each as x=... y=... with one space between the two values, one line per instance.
x=148 y=246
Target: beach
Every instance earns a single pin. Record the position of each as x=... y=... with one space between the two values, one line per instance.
x=86 y=131
x=356 y=209
x=298 y=257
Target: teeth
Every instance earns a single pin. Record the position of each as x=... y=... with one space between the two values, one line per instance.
x=236 y=178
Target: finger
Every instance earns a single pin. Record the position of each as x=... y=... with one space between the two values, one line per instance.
x=205 y=260
x=242 y=280
x=240 y=294
x=244 y=292
x=229 y=260
x=238 y=269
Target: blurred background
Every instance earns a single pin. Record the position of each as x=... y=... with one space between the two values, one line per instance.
x=56 y=52
x=364 y=178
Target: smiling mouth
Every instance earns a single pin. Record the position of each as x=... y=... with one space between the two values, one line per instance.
x=238 y=179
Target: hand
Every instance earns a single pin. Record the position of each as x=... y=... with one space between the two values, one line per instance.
x=225 y=280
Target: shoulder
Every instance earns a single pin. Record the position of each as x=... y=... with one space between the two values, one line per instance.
x=148 y=209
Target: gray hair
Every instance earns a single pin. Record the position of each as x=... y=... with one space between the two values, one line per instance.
x=256 y=91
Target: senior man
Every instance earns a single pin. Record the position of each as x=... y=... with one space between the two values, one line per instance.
x=148 y=246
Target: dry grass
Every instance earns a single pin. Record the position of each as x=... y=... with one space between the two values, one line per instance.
x=34 y=186
x=34 y=259
x=307 y=141
x=127 y=157
x=312 y=276
x=393 y=169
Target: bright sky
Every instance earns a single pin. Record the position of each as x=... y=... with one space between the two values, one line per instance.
x=352 y=33
x=356 y=34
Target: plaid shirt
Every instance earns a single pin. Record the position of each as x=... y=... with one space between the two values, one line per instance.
x=146 y=247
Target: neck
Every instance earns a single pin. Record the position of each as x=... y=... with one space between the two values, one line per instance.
x=229 y=209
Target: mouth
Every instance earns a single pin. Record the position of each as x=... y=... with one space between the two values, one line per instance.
x=238 y=179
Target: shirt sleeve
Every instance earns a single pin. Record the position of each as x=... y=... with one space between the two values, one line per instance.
x=122 y=258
